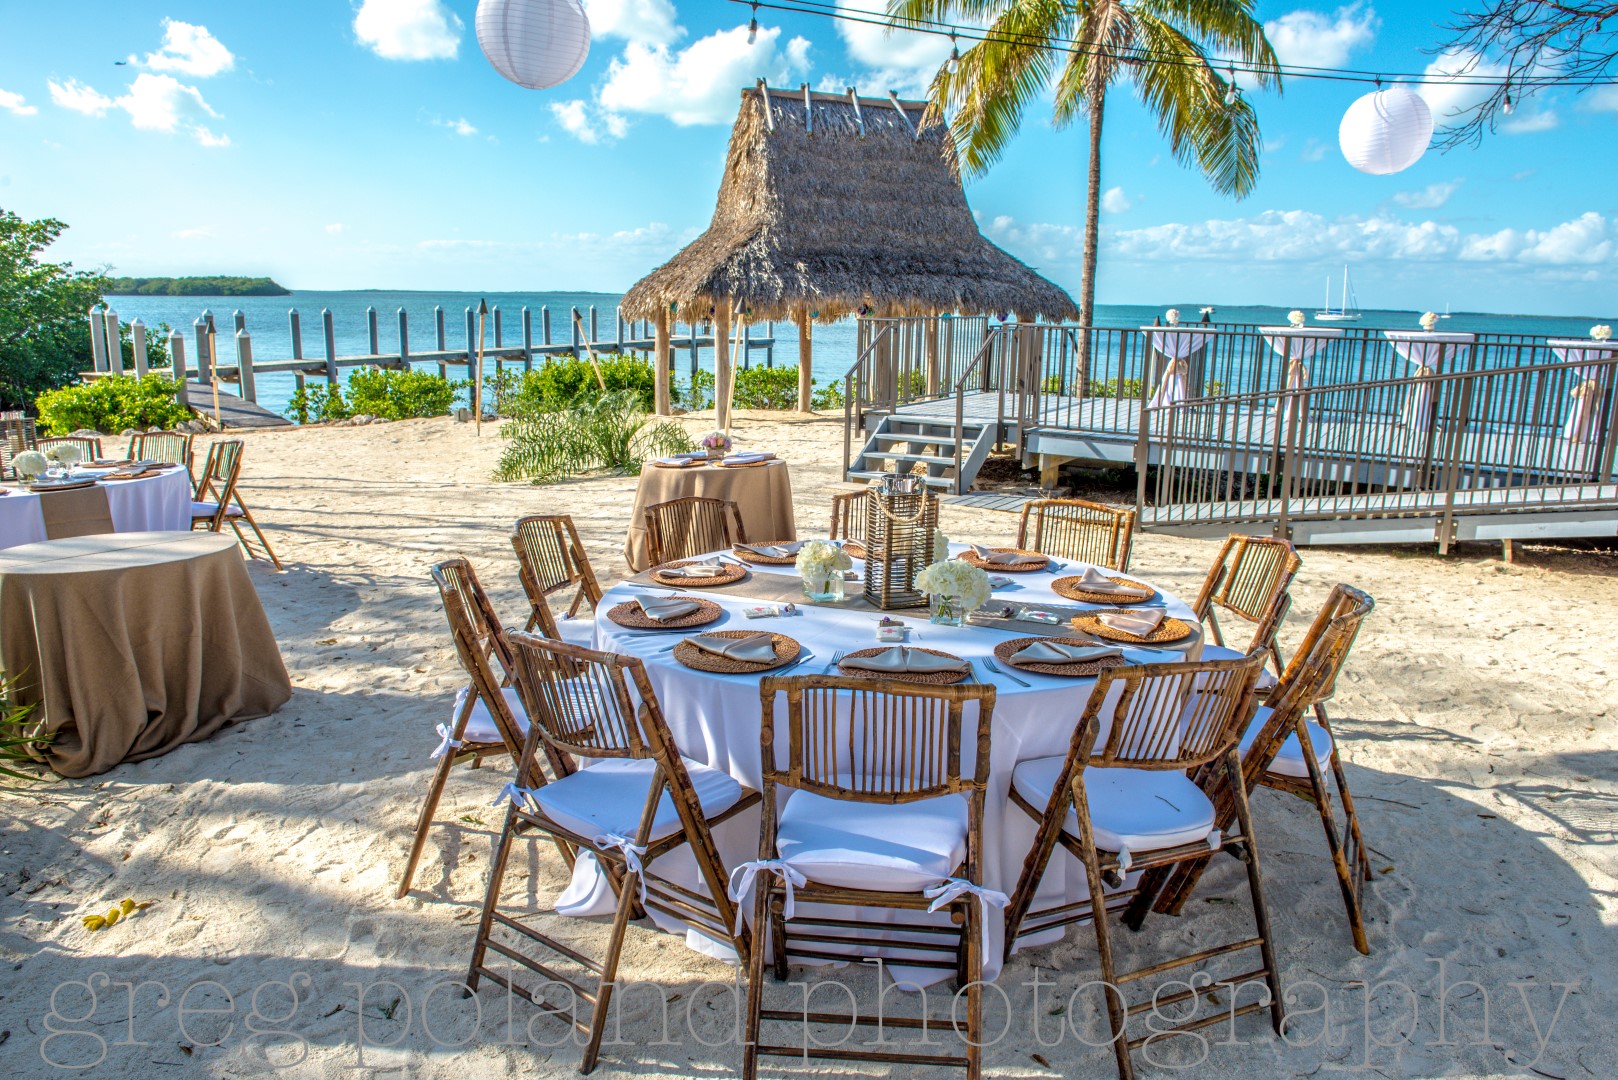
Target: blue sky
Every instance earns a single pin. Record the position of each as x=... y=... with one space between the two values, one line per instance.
x=368 y=144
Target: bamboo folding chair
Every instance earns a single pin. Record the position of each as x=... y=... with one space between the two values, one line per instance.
x=550 y=559
x=217 y=500
x=1144 y=728
x=175 y=446
x=684 y=528
x=1251 y=579
x=16 y=435
x=637 y=802
x=1075 y=529
x=89 y=447
x=488 y=718
x=1286 y=751
x=848 y=517
x=870 y=763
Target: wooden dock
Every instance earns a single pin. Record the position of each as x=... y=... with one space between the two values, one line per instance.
x=234 y=412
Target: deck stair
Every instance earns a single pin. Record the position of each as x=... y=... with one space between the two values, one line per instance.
x=925 y=446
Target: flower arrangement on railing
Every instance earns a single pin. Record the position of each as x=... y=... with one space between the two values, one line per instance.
x=717 y=443
x=30 y=465
x=1172 y=316
x=1601 y=332
x=821 y=564
x=954 y=588
x=1428 y=321
x=1295 y=318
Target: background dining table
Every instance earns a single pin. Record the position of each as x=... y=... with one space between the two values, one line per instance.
x=762 y=492
x=160 y=503
x=715 y=718
x=129 y=644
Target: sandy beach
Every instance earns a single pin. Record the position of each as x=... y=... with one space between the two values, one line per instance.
x=1477 y=717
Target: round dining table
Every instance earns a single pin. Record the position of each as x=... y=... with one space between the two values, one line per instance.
x=761 y=491
x=715 y=718
x=127 y=645
x=155 y=503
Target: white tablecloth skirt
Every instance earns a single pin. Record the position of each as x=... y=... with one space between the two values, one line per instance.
x=715 y=720
x=156 y=504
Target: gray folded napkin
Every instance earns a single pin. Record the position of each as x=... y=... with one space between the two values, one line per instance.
x=1093 y=580
x=754 y=648
x=1058 y=652
x=695 y=570
x=1004 y=558
x=1137 y=621
x=773 y=551
x=902 y=658
x=663 y=609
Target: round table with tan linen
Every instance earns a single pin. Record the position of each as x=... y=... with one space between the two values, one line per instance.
x=129 y=644
x=763 y=493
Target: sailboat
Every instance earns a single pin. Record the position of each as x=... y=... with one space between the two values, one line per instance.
x=1344 y=313
x=1446 y=310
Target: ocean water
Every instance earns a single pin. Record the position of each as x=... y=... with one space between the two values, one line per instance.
x=267 y=322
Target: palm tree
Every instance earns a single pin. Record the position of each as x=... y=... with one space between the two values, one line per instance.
x=1079 y=49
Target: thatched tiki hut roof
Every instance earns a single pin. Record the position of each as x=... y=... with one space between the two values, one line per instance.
x=832 y=205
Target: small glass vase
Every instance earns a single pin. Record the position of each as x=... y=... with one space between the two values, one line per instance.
x=823 y=588
x=946 y=609
x=715 y=453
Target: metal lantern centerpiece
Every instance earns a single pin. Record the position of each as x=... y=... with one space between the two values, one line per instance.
x=901 y=516
x=534 y=43
x=1386 y=131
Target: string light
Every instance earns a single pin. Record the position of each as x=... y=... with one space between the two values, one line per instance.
x=1232 y=93
x=752 y=26
x=954 y=54
x=1506 y=106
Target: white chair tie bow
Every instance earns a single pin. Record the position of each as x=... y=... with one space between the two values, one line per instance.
x=632 y=853
x=446 y=733
x=955 y=888
x=519 y=796
x=791 y=878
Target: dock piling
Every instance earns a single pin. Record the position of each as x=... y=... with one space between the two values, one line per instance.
x=137 y=339
x=244 y=366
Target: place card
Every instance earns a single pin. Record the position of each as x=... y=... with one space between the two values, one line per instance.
x=1033 y=616
x=770 y=611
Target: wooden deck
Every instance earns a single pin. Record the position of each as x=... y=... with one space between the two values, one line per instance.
x=235 y=412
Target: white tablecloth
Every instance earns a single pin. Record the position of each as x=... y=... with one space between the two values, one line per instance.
x=1427 y=350
x=1296 y=344
x=1580 y=425
x=1177 y=345
x=715 y=718
x=156 y=504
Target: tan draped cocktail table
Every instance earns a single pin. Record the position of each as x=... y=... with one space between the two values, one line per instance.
x=129 y=644
x=763 y=493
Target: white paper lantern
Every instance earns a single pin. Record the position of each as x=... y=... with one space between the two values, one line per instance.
x=1386 y=131
x=534 y=43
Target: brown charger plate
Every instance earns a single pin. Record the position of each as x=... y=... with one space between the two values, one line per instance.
x=786 y=651
x=1007 y=649
x=45 y=486
x=1170 y=629
x=1068 y=587
x=630 y=615
x=732 y=573
x=855 y=549
x=931 y=678
x=767 y=560
x=1005 y=568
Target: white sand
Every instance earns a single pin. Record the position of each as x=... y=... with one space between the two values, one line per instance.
x=1477 y=716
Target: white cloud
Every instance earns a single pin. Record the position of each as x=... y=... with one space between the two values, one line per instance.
x=1315 y=39
x=1528 y=123
x=408 y=29
x=1115 y=201
x=902 y=60
x=699 y=84
x=587 y=124
x=1314 y=150
x=208 y=138
x=202 y=233
x=79 y=98
x=1301 y=236
x=335 y=227
x=189 y=50
x=14 y=104
x=1430 y=197
x=462 y=126
x=162 y=103
x=650 y=22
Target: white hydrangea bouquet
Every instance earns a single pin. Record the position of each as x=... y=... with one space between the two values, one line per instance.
x=1295 y=318
x=1601 y=332
x=65 y=455
x=955 y=587
x=821 y=564
x=30 y=465
x=1428 y=321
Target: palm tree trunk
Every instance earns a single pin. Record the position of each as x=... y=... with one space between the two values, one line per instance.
x=1092 y=230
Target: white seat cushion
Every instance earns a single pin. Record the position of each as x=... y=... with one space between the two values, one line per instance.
x=204 y=509
x=1266 y=681
x=580 y=631
x=609 y=797
x=480 y=726
x=1130 y=809
x=1289 y=762
x=904 y=847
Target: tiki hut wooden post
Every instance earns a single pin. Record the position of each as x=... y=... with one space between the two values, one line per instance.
x=862 y=213
x=660 y=363
x=723 y=368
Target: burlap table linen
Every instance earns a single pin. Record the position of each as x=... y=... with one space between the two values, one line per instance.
x=763 y=493
x=130 y=644
x=75 y=512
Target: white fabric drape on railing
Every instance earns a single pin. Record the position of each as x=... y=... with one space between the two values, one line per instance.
x=1178 y=345
x=1580 y=426
x=1295 y=345
x=1427 y=350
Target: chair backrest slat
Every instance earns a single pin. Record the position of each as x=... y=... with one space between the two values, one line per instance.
x=1251 y=578
x=1077 y=529
x=1170 y=716
x=220 y=472
x=478 y=637
x=682 y=528
x=89 y=447
x=175 y=446
x=550 y=558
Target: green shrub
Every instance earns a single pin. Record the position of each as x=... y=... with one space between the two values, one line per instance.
x=18 y=734
x=564 y=380
x=611 y=432
x=111 y=404
x=760 y=388
x=318 y=403
x=400 y=395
